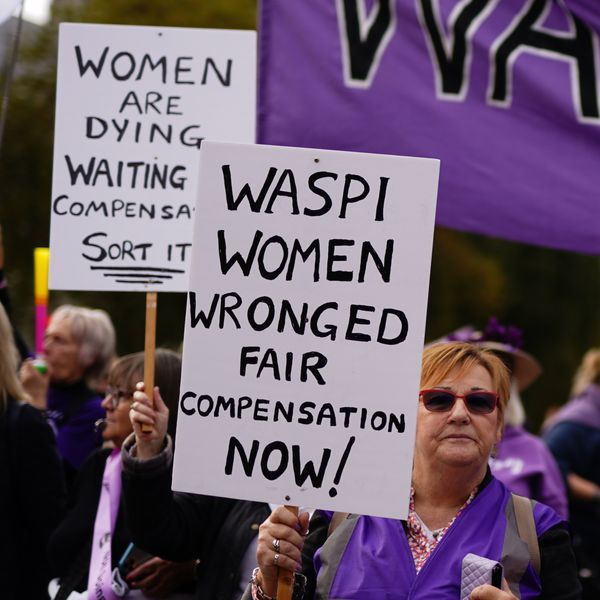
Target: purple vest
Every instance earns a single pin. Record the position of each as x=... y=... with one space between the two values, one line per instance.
x=376 y=561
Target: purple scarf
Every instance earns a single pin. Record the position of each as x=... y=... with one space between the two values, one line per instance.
x=99 y=579
x=583 y=409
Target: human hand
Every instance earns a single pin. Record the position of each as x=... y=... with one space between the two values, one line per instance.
x=289 y=529
x=489 y=592
x=157 y=577
x=150 y=443
x=35 y=384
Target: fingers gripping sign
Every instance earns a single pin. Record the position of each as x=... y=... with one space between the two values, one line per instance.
x=154 y=417
x=279 y=549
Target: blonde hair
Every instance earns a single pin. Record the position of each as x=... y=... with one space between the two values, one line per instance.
x=439 y=360
x=93 y=332
x=10 y=386
x=588 y=371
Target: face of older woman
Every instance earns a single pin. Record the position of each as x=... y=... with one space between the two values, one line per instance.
x=117 y=403
x=62 y=353
x=458 y=437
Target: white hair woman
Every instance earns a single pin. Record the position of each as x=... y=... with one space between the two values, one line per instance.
x=79 y=347
x=33 y=494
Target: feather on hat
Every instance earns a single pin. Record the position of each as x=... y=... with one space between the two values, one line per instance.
x=504 y=340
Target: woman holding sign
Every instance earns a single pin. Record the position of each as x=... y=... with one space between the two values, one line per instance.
x=220 y=533
x=466 y=535
x=78 y=551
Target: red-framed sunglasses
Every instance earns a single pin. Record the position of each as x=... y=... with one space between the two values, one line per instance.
x=477 y=402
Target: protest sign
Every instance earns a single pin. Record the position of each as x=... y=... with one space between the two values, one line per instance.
x=133 y=106
x=505 y=94
x=305 y=326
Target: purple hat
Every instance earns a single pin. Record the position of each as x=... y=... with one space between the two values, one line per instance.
x=502 y=339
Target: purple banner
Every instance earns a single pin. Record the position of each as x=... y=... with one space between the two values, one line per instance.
x=504 y=92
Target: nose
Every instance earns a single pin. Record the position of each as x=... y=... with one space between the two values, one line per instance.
x=459 y=412
x=107 y=402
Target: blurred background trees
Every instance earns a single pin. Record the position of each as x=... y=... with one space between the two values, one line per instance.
x=553 y=296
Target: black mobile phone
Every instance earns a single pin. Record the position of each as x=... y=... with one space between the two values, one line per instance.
x=497 y=573
x=132 y=557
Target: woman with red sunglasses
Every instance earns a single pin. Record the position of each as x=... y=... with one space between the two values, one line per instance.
x=460 y=516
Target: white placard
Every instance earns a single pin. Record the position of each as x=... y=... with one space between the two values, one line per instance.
x=133 y=105
x=305 y=327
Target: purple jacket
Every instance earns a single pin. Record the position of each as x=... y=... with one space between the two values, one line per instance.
x=369 y=557
x=72 y=413
x=584 y=409
x=526 y=466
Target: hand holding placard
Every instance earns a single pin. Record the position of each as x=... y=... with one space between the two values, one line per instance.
x=155 y=415
x=279 y=550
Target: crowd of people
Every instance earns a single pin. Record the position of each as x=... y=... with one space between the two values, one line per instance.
x=89 y=510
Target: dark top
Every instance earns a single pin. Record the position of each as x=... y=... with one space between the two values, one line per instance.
x=178 y=526
x=72 y=539
x=32 y=501
x=576 y=448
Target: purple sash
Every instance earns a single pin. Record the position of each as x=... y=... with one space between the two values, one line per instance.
x=99 y=579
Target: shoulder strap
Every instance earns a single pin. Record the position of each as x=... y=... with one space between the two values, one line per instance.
x=332 y=551
x=526 y=528
x=336 y=521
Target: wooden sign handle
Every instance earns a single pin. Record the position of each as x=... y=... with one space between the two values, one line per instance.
x=149 y=350
x=285 y=578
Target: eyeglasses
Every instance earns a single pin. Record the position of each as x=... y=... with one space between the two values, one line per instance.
x=477 y=402
x=116 y=395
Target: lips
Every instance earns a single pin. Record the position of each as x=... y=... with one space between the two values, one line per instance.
x=458 y=436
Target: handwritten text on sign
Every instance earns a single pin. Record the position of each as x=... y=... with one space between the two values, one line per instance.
x=305 y=327
x=133 y=107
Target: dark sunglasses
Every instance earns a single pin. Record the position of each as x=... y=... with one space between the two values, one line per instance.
x=116 y=395
x=480 y=403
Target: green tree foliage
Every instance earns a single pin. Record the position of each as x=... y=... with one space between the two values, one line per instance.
x=553 y=296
